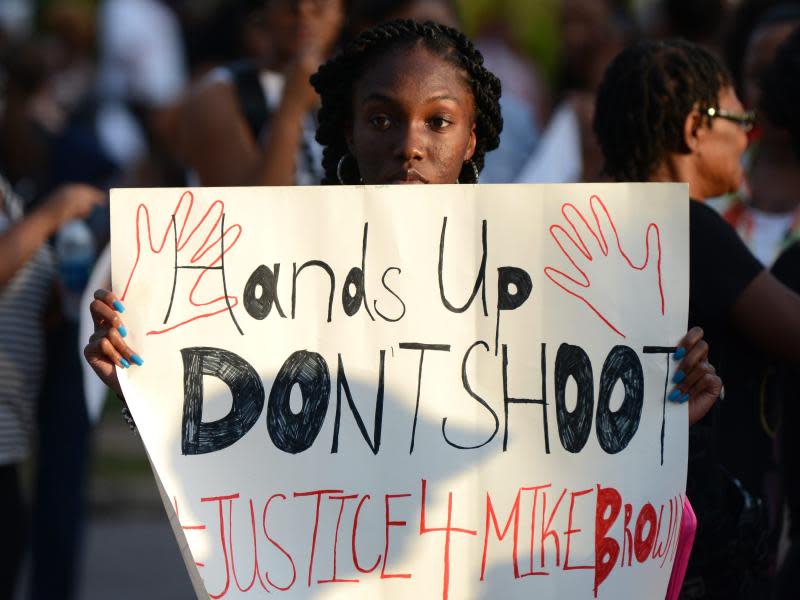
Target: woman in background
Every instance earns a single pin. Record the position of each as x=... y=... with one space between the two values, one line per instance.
x=780 y=99
x=27 y=276
x=667 y=111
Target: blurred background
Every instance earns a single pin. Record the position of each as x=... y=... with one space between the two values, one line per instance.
x=126 y=93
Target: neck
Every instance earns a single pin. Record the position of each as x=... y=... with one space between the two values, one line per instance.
x=680 y=168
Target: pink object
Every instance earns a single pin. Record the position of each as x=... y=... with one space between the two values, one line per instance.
x=683 y=552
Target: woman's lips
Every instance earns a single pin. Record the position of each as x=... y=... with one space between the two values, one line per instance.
x=411 y=176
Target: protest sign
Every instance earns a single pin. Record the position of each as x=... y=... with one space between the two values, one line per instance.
x=394 y=392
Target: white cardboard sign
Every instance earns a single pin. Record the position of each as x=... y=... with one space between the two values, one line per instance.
x=395 y=392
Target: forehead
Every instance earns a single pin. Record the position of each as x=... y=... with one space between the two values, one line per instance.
x=412 y=73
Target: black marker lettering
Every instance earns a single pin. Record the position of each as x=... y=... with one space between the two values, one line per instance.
x=480 y=281
x=421 y=348
x=478 y=399
x=615 y=429
x=508 y=298
x=292 y=432
x=247 y=393
x=260 y=307
x=341 y=383
x=327 y=269
x=388 y=289
x=543 y=402
x=574 y=427
x=668 y=350
x=352 y=302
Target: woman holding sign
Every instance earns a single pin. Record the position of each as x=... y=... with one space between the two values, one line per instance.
x=404 y=103
x=667 y=111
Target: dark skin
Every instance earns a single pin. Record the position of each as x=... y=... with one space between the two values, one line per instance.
x=20 y=241
x=411 y=129
x=215 y=139
x=766 y=312
x=410 y=125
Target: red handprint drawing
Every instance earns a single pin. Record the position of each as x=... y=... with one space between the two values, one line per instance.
x=574 y=246
x=183 y=229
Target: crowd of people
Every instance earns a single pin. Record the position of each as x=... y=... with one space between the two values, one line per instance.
x=307 y=92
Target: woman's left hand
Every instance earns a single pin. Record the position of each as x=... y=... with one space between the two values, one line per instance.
x=696 y=379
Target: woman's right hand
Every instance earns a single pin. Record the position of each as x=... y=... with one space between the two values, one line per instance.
x=106 y=348
x=20 y=242
x=72 y=201
x=319 y=26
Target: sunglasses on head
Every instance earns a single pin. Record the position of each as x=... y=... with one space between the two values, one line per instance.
x=745 y=120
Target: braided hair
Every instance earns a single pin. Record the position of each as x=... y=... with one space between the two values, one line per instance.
x=336 y=79
x=646 y=94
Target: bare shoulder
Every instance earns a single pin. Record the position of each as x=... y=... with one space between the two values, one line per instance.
x=211 y=98
x=215 y=141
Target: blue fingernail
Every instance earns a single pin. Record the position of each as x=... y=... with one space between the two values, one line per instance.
x=124 y=363
x=673 y=395
x=679 y=353
x=118 y=306
x=137 y=359
x=678 y=377
x=684 y=398
x=124 y=332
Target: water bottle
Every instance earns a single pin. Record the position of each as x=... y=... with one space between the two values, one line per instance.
x=75 y=250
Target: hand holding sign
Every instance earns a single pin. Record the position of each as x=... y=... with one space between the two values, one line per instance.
x=602 y=259
x=106 y=348
x=198 y=245
x=347 y=503
x=698 y=381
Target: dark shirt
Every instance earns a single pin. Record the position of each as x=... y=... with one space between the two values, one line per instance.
x=727 y=448
x=787 y=267
x=787 y=270
x=721 y=268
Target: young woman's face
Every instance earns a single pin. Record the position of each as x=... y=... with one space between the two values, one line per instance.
x=413 y=119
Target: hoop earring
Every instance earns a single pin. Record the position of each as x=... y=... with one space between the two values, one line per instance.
x=339 y=166
x=339 y=169
x=474 y=171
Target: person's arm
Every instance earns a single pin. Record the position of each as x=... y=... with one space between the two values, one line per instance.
x=23 y=239
x=218 y=144
x=729 y=286
x=278 y=162
x=215 y=139
x=768 y=313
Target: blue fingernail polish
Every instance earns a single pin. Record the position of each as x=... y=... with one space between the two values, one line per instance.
x=118 y=306
x=124 y=363
x=684 y=398
x=674 y=395
x=124 y=332
x=678 y=377
x=679 y=353
x=137 y=359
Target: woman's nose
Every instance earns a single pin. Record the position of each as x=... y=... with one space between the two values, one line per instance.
x=411 y=144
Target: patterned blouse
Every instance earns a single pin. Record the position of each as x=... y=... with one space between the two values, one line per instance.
x=23 y=300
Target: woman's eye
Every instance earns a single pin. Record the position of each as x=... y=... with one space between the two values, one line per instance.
x=440 y=123
x=380 y=122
